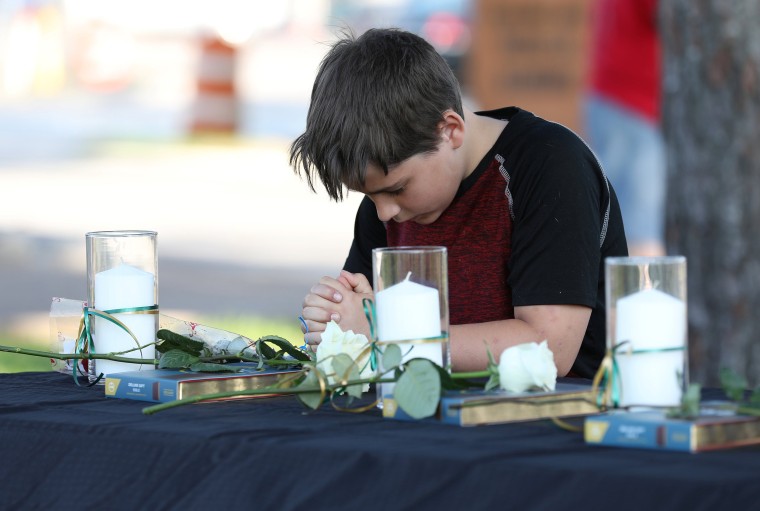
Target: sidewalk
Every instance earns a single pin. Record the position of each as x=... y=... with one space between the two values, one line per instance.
x=238 y=231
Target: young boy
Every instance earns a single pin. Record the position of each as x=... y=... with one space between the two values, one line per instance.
x=521 y=204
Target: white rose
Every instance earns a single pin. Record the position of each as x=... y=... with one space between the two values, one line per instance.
x=527 y=366
x=336 y=341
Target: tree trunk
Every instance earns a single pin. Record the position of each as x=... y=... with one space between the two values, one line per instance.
x=711 y=121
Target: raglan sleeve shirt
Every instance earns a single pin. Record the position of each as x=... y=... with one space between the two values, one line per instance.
x=559 y=209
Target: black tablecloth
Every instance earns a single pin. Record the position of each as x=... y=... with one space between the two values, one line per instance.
x=69 y=447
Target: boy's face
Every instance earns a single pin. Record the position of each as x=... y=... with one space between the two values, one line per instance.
x=419 y=189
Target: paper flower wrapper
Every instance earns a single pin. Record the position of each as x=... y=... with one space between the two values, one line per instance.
x=66 y=315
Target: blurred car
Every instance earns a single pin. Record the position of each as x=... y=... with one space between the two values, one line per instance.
x=445 y=24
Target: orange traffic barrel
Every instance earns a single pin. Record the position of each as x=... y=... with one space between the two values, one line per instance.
x=215 y=106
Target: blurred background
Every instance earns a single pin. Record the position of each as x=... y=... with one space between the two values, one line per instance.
x=176 y=116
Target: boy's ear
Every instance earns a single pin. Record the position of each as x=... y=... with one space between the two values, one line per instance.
x=452 y=128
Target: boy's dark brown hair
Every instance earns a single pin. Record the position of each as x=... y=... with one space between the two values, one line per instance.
x=379 y=99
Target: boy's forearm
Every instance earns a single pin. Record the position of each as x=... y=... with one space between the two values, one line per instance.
x=562 y=326
x=470 y=342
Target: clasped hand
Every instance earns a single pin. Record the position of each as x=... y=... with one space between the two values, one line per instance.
x=336 y=299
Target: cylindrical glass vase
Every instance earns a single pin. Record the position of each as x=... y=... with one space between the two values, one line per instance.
x=647 y=329
x=122 y=275
x=412 y=305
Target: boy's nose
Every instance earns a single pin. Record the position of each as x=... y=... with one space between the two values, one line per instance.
x=386 y=209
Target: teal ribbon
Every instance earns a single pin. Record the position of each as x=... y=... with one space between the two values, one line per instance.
x=607 y=380
x=85 y=343
x=371 y=314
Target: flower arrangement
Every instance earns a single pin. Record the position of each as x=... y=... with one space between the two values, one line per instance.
x=342 y=367
x=346 y=363
x=340 y=371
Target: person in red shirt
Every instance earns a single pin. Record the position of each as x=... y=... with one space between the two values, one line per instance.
x=520 y=203
x=622 y=116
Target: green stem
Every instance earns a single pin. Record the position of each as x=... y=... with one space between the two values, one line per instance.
x=471 y=374
x=114 y=356
x=77 y=356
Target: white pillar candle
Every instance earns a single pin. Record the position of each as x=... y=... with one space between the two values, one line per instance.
x=408 y=311
x=650 y=320
x=117 y=288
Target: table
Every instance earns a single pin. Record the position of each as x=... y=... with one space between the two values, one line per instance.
x=64 y=446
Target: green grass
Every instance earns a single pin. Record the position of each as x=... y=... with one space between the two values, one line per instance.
x=252 y=327
x=13 y=363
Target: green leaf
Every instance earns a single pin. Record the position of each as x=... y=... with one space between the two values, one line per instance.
x=208 y=367
x=174 y=341
x=310 y=398
x=690 y=400
x=733 y=384
x=391 y=357
x=491 y=361
x=493 y=370
x=418 y=390
x=342 y=365
x=493 y=382
x=346 y=369
x=265 y=350
x=689 y=407
x=287 y=347
x=176 y=359
x=449 y=383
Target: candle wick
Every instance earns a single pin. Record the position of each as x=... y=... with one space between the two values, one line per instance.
x=407 y=276
x=646 y=279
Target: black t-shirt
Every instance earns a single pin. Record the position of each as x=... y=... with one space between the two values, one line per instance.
x=563 y=220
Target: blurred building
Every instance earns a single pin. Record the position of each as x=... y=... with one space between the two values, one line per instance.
x=532 y=54
x=443 y=23
x=529 y=53
x=164 y=68
x=153 y=65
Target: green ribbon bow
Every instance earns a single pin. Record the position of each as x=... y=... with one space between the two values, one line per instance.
x=607 y=381
x=85 y=343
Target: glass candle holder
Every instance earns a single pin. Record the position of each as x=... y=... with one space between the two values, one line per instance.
x=412 y=305
x=647 y=328
x=122 y=273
